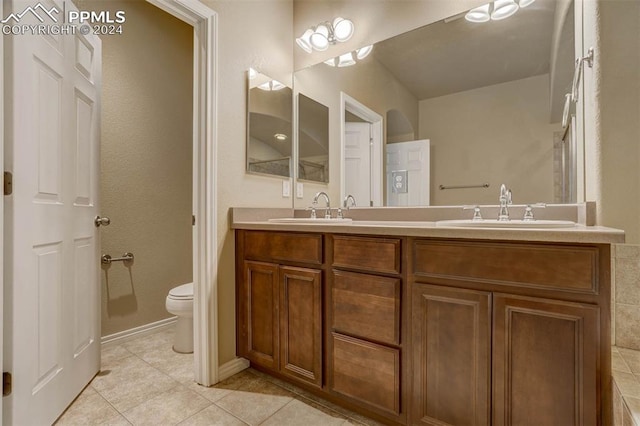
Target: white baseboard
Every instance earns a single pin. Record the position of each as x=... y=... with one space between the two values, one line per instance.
x=232 y=367
x=133 y=333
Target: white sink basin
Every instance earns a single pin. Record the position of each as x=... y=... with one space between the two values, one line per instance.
x=319 y=220
x=493 y=223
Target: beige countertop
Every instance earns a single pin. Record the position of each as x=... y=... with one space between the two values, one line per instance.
x=258 y=219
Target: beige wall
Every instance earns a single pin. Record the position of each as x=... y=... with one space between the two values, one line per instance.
x=614 y=169
x=467 y=150
x=256 y=34
x=146 y=163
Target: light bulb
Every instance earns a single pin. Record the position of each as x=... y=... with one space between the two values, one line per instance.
x=346 y=60
x=363 y=52
x=502 y=9
x=342 y=29
x=525 y=3
x=320 y=38
x=479 y=14
x=304 y=41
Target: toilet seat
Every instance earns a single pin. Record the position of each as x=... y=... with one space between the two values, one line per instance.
x=182 y=292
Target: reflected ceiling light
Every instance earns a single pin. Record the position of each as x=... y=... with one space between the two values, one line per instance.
x=271 y=85
x=502 y=9
x=322 y=35
x=280 y=136
x=479 y=14
x=363 y=52
x=346 y=60
x=349 y=58
x=496 y=10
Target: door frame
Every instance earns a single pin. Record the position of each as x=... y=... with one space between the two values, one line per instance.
x=205 y=143
x=2 y=61
x=347 y=103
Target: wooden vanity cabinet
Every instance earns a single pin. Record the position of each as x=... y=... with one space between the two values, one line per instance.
x=510 y=333
x=279 y=307
x=431 y=331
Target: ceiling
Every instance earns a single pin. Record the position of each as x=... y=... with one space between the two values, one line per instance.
x=456 y=55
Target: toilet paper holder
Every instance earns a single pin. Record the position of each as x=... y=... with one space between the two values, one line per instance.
x=106 y=259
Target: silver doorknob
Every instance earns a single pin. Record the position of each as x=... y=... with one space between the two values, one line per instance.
x=101 y=221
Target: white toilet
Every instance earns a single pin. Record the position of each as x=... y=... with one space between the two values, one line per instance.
x=180 y=303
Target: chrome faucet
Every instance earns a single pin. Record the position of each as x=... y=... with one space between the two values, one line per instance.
x=346 y=205
x=505 y=202
x=346 y=201
x=327 y=212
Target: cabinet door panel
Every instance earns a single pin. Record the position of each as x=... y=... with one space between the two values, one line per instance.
x=301 y=324
x=451 y=356
x=366 y=306
x=544 y=362
x=261 y=291
x=366 y=371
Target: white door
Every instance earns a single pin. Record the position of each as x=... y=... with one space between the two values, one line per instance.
x=52 y=294
x=408 y=173
x=357 y=162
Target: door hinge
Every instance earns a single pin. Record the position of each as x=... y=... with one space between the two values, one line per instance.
x=8 y=183
x=193 y=220
x=6 y=384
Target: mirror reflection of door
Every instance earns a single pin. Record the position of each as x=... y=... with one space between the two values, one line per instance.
x=362 y=154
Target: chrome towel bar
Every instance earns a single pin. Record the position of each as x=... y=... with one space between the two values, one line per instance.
x=106 y=259
x=482 y=185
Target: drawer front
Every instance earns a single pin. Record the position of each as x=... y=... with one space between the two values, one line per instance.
x=367 y=306
x=369 y=254
x=366 y=372
x=562 y=267
x=291 y=247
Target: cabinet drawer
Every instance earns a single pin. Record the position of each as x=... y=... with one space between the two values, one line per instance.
x=369 y=254
x=279 y=246
x=367 y=306
x=562 y=267
x=366 y=372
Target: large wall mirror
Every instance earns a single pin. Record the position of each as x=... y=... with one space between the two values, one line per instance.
x=269 y=125
x=464 y=106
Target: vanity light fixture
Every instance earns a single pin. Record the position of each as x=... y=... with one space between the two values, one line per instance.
x=271 y=85
x=349 y=58
x=322 y=35
x=496 y=10
x=502 y=9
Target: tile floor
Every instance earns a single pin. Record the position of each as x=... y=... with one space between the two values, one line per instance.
x=143 y=382
x=625 y=366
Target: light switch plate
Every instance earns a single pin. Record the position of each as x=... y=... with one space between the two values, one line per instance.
x=299 y=190
x=286 y=188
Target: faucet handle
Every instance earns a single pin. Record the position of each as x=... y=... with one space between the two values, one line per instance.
x=528 y=211
x=476 y=211
x=313 y=210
